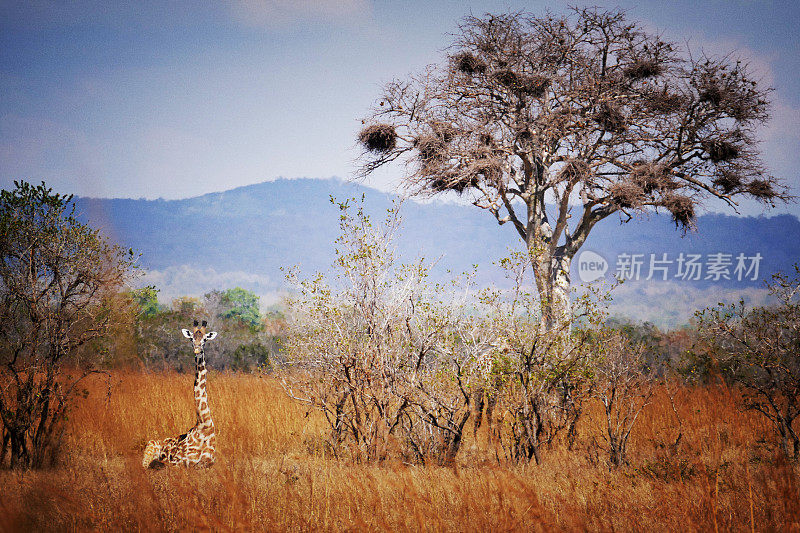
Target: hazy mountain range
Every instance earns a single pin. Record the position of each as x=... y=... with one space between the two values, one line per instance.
x=245 y=235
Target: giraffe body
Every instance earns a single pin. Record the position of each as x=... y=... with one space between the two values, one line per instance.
x=196 y=447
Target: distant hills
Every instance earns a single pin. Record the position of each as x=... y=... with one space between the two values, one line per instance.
x=245 y=235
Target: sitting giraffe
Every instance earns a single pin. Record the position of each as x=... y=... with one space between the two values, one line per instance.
x=196 y=446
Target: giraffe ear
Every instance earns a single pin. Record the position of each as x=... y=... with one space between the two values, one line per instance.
x=210 y=335
x=187 y=333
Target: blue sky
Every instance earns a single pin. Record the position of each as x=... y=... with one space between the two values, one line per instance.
x=175 y=99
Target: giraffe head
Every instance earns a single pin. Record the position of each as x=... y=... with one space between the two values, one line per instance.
x=199 y=336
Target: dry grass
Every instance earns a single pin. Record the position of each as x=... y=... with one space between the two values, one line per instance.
x=272 y=472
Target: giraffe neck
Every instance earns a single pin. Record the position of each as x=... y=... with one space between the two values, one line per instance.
x=200 y=394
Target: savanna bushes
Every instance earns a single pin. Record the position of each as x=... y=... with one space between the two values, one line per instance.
x=398 y=365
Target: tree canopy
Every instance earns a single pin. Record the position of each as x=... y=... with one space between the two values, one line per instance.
x=553 y=123
x=146 y=298
x=240 y=304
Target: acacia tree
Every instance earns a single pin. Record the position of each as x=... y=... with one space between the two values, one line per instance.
x=554 y=123
x=58 y=279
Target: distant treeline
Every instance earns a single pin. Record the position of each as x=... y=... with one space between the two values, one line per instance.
x=248 y=339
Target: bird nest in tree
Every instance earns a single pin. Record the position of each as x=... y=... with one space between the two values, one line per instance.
x=507 y=78
x=652 y=176
x=711 y=92
x=727 y=181
x=639 y=70
x=378 y=137
x=453 y=182
x=488 y=168
x=761 y=189
x=610 y=118
x=575 y=170
x=681 y=208
x=533 y=85
x=444 y=131
x=524 y=135
x=663 y=102
x=430 y=148
x=486 y=47
x=486 y=139
x=439 y=184
x=479 y=165
x=468 y=63
x=739 y=109
x=721 y=150
x=627 y=195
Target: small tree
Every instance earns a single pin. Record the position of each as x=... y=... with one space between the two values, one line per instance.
x=554 y=123
x=759 y=350
x=56 y=279
x=624 y=384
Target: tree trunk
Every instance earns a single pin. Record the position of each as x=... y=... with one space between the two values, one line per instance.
x=561 y=311
x=552 y=275
x=19 y=450
x=453 y=444
x=789 y=440
x=478 y=396
x=531 y=428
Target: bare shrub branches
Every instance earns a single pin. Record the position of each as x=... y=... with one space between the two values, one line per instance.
x=540 y=376
x=398 y=366
x=624 y=385
x=384 y=359
x=758 y=349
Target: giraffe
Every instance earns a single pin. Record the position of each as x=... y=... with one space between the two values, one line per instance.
x=196 y=446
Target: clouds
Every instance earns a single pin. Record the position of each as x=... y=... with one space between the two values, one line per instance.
x=671 y=304
x=781 y=146
x=186 y=280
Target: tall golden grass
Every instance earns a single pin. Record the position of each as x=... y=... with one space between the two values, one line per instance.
x=272 y=472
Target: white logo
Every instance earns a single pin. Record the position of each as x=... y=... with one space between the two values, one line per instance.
x=591 y=266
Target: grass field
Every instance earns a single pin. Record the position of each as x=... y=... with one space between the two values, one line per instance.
x=272 y=472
